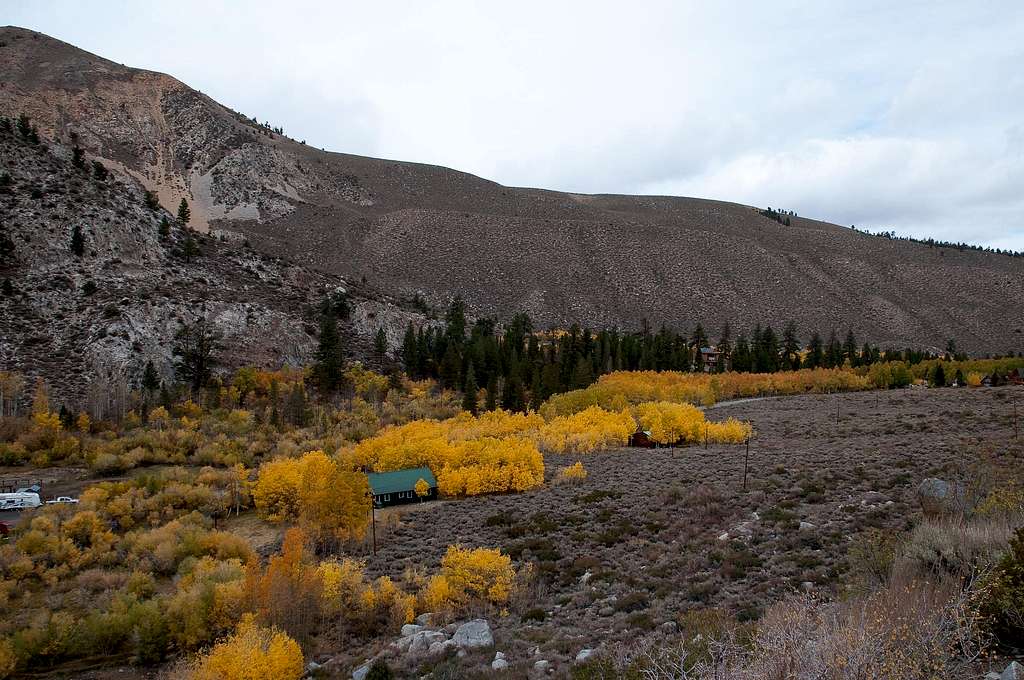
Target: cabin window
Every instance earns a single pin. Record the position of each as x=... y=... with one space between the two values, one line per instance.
x=387 y=497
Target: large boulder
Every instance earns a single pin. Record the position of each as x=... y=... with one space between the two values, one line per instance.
x=939 y=497
x=1013 y=672
x=474 y=635
x=421 y=642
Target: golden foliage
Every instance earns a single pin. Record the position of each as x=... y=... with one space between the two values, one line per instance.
x=588 y=430
x=468 y=455
x=251 y=653
x=468 y=575
x=329 y=502
x=572 y=473
x=616 y=391
x=422 y=488
x=8 y=661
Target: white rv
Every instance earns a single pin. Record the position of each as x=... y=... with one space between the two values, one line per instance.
x=19 y=500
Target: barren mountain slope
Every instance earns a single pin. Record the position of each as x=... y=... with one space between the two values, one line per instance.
x=561 y=257
x=88 y=323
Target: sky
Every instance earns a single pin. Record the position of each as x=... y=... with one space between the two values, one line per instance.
x=905 y=116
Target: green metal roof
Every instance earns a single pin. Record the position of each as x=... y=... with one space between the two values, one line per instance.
x=399 y=480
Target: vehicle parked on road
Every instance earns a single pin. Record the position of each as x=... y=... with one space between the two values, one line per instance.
x=62 y=500
x=19 y=500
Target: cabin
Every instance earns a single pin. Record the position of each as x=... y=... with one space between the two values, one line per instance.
x=395 y=488
x=711 y=358
x=641 y=439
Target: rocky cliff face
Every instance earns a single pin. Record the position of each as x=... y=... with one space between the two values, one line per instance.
x=597 y=260
x=88 y=322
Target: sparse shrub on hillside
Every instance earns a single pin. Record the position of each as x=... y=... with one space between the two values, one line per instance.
x=571 y=474
x=1001 y=598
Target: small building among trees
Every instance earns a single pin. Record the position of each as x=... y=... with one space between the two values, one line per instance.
x=402 y=486
x=641 y=439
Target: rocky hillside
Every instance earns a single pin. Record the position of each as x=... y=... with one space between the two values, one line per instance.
x=598 y=260
x=88 y=323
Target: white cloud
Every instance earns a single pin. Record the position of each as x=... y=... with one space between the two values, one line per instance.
x=887 y=115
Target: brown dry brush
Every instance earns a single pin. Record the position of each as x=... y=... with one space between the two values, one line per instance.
x=909 y=629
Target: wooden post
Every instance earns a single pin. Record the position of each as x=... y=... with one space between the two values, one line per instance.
x=373 y=522
x=1015 y=426
x=746 y=460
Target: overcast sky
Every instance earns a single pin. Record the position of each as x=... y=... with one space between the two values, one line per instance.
x=890 y=115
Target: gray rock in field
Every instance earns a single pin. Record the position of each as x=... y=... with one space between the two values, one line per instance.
x=583 y=655
x=938 y=496
x=499 y=655
x=605 y=611
x=806 y=526
x=425 y=619
x=1012 y=672
x=410 y=629
x=499 y=665
x=421 y=641
x=473 y=635
x=361 y=672
x=542 y=666
x=991 y=675
x=440 y=647
x=586 y=577
x=807 y=586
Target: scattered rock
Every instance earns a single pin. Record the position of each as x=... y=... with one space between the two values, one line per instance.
x=806 y=526
x=723 y=536
x=424 y=619
x=440 y=647
x=606 y=611
x=583 y=655
x=543 y=666
x=361 y=672
x=420 y=642
x=807 y=586
x=586 y=577
x=499 y=665
x=473 y=635
x=1012 y=672
x=410 y=629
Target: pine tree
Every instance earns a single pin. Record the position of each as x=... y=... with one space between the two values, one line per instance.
x=195 y=347
x=815 y=352
x=77 y=241
x=939 y=375
x=330 y=359
x=741 y=360
x=380 y=344
x=150 y=200
x=790 y=348
x=150 y=378
x=725 y=347
x=450 y=368
x=409 y=351
x=77 y=157
x=492 y=394
x=164 y=231
x=850 y=348
x=24 y=126
x=189 y=249
x=455 y=321
x=470 y=389
x=184 y=214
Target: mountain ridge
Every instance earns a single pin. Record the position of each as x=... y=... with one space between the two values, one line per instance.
x=595 y=259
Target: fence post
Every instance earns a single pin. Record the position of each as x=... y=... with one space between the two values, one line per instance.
x=746 y=460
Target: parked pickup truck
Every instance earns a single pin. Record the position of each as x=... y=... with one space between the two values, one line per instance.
x=60 y=500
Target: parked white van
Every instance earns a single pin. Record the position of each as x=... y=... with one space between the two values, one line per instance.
x=20 y=500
